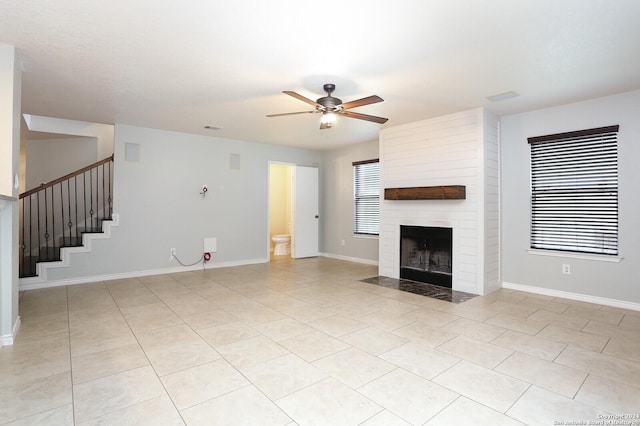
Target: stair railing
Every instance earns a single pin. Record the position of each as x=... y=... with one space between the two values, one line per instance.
x=56 y=214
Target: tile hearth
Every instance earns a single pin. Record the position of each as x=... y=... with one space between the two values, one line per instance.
x=307 y=342
x=423 y=289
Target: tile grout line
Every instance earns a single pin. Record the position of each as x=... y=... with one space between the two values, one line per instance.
x=146 y=357
x=73 y=398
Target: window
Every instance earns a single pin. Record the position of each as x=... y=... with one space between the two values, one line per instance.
x=574 y=191
x=366 y=194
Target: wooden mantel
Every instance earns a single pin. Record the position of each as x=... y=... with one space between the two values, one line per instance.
x=446 y=192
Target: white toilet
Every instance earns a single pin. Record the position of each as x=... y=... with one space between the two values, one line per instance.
x=283 y=243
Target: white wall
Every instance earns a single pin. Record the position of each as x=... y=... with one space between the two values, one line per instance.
x=10 y=101
x=158 y=201
x=49 y=159
x=610 y=280
x=7 y=107
x=490 y=215
x=337 y=204
x=102 y=132
x=456 y=149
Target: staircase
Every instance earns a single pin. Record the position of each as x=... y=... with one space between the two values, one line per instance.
x=60 y=213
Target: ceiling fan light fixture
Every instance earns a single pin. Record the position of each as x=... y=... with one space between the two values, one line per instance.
x=328 y=118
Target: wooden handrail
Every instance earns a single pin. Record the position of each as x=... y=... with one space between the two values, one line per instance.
x=63 y=178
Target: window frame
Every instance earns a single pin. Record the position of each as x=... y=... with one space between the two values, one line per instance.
x=362 y=222
x=574 y=203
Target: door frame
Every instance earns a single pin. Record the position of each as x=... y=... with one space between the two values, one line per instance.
x=269 y=163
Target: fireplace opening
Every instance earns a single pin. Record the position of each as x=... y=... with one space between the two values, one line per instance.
x=426 y=254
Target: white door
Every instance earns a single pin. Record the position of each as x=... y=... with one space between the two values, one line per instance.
x=305 y=213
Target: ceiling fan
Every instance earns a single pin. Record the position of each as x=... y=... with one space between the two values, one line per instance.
x=330 y=106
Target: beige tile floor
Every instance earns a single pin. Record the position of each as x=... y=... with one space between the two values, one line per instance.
x=305 y=342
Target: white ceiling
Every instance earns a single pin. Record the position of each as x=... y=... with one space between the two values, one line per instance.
x=178 y=65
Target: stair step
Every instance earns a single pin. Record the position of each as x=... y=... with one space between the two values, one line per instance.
x=36 y=215
x=49 y=254
x=70 y=241
x=91 y=230
x=28 y=267
x=52 y=254
x=73 y=242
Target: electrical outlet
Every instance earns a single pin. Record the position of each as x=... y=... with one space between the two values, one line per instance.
x=566 y=269
x=342 y=243
x=173 y=254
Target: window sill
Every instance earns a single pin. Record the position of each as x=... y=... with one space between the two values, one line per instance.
x=366 y=236
x=584 y=256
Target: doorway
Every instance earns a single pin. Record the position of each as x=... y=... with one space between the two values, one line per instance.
x=280 y=209
x=293 y=211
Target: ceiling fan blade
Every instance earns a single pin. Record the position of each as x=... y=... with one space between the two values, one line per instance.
x=364 y=101
x=302 y=98
x=359 y=116
x=291 y=113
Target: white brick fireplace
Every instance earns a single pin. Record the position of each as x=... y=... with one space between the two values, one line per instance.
x=457 y=149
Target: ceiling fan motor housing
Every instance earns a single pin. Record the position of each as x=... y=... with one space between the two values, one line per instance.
x=329 y=102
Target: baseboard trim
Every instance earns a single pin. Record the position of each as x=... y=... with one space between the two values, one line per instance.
x=37 y=283
x=8 y=339
x=216 y=265
x=34 y=284
x=573 y=296
x=350 y=259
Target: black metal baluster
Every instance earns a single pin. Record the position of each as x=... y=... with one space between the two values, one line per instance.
x=104 y=203
x=62 y=215
x=75 y=202
x=30 y=245
x=53 y=223
x=46 y=224
x=97 y=209
x=22 y=246
x=39 y=243
x=97 y=193
x=30 y=232
x=110 y=186
x=70 y=224
x=84 y=203
x=91 y=197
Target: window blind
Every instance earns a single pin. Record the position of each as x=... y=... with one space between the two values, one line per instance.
x=366 y=179
x=574 y=191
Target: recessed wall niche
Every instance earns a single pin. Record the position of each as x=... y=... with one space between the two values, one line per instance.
x=132 y=152
x=234 y=161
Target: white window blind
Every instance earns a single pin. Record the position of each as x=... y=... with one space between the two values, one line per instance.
x=574 y=191
x=366 y=190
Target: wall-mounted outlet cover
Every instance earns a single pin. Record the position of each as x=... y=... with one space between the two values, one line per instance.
x=210 y=245
x=566 y=269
